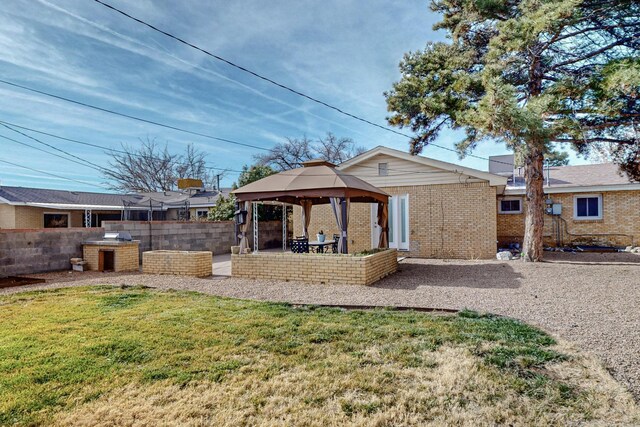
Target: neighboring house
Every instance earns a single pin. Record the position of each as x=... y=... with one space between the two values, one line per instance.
x=586 y=204
x=443 y=210
x=22 y=207
x=437 y=209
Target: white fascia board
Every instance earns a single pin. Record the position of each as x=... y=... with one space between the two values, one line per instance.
x=82 y=207
x=494 y=180
x=3 y=200
x=587 y=189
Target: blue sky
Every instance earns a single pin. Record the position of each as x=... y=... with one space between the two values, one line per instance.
x=344 y=52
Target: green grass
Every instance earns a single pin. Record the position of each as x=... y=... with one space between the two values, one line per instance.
x=62 y=349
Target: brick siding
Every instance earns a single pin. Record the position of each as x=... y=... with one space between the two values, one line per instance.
x=126 y=257
x=315 y=268
x=445 y=221
x=619 y=226
x=179 y=263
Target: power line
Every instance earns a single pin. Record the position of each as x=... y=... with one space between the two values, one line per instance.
x=81 y=160
x=48 y=152
x=4 y=123
x=52 y=174
x=106 y=110
x=280 y=85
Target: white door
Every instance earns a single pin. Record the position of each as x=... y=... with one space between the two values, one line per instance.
x=398 y=223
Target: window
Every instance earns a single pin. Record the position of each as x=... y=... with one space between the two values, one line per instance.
x=587 y=207
x=383 y=169
x=510 y=206
x=202 y=213
x=56 y=220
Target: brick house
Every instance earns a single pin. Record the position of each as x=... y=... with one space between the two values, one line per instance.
x=29 y=208
x=444 y=210
x=437 y=209
x=586 y=204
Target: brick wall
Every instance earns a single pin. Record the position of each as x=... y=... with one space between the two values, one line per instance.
x=445 y=221
x=315 y=268
x=35 y=251
x=217 y=237
x=619 y=226
x=180 y=263
x=126 y=256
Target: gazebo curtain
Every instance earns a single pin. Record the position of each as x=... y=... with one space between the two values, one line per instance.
x=244 y=228
x=306 y=216
x=383 y=222
x=341 y=212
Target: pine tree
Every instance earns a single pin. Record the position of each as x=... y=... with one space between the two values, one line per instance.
x=529 y=73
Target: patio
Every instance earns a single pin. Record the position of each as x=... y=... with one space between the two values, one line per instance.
x=316 y=183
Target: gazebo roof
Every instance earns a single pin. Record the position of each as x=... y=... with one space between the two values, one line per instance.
x=317 y=181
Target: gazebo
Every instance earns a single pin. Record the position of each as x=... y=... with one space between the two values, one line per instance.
x=317 y=182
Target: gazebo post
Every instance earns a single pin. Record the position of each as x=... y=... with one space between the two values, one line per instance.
x=284 y=227
x=255 y=227
x=345 y=225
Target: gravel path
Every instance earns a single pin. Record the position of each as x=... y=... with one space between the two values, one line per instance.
x=590 y=299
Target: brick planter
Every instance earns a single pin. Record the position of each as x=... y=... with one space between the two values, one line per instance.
x=316 y=268
x=179 y=263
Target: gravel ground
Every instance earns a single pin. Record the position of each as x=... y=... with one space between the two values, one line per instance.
x=592 y=300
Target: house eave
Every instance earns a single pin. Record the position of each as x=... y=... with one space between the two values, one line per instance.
x=493 y=179
x=518 y=191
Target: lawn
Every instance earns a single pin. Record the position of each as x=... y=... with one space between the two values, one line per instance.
x=136 y=356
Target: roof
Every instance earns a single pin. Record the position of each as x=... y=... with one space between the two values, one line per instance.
x=495 y=180
x=64 y=199
x=602 y=176
x=316 y=183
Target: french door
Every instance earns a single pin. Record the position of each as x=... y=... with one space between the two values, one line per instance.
x=398 y=223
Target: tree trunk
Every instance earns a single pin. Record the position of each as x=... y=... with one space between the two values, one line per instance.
x=534 y=221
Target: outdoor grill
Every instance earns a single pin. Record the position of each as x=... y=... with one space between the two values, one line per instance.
x=116 y=251
x=121 y=236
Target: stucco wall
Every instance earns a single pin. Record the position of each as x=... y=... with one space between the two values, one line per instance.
x=7 y=216
x=620 y=223
x=445 y=221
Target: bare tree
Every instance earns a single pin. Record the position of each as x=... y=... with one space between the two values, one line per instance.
x=151 y=167
x=292 y=153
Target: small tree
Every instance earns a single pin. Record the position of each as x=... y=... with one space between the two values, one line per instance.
x=151 y=167
x=292 y=153
x=529 y=73
x=226 y=206
x=223 y=210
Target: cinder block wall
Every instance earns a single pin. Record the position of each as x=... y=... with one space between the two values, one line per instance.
x=217 y=237
x=36 y=251
x=315 y=268
x=620 y=223
x=445 y=221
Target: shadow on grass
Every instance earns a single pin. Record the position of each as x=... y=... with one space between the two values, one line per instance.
x=412 y=275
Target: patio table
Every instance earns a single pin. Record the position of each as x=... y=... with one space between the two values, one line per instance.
x=321 y=246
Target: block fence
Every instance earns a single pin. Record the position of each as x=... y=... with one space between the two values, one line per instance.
x=217 y=237
x=41 y=250
x=316 y=268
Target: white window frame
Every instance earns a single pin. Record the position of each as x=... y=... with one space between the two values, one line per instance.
x=586 y=196
x=507 y=199
x=68 y=214
x=202 y=210
x=383 y=169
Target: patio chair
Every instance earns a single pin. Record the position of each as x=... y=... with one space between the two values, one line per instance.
x=300 y=246
x=334 y=245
